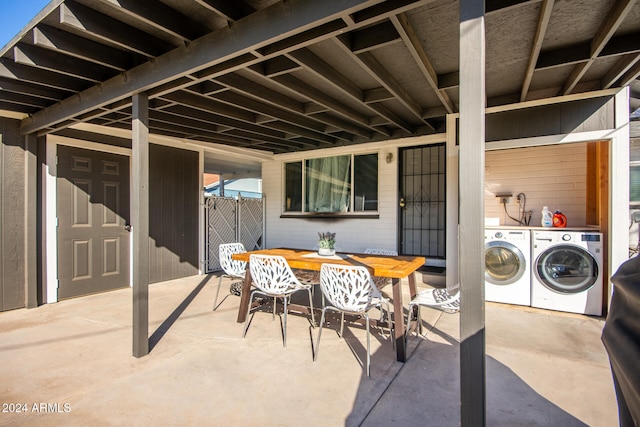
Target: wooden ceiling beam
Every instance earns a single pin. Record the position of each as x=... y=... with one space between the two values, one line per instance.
x=624 y=64
x=278 y=22
x=411 y=41
x=160 y=16
x=49 y=60
x=30 y=89
x=79 y=47
x=541 y=30
x=606 y=31
x=231 y=10
x=25 y=73
x=78 y=17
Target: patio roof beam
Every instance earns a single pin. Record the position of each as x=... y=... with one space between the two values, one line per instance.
x=500 y=5
x=48 y=60
x=278 y=22
x=631 y=75
x=326 y=72
x=79 y=47
x=162 y=17
x=17 y=107
x=195 y=127
x=623 y=65
x=231 y=10
x=405 y=29
x=36 y=90
x=373 y=37
x=20 y=73
x=322 y=98
x=599 y=41
x=255 y=90
x=307 y=125
x=541 y=30
x=28 y=100
x=220 y=121
x=225 y=104
x=78 y=17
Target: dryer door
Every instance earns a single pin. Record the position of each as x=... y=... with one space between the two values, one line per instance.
x=504 y=263
x=566 y=269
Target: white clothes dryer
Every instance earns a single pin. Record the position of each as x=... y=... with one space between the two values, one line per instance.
x=567 y=271
x=507 y=258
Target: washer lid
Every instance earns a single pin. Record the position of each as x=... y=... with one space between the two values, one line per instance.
x=566 y=269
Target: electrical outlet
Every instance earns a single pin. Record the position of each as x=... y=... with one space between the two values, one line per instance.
x=504 y=200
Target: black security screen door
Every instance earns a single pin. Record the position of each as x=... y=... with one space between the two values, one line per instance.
x=422 y=201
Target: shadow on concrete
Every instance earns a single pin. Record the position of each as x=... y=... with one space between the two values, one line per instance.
x=157 y=335
x=426 y=391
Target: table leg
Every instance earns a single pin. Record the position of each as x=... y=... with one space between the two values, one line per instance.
x=398 y=321
x=244 y=296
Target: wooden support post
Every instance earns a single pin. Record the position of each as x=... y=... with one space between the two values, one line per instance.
x=471 y=252
x=140 y=223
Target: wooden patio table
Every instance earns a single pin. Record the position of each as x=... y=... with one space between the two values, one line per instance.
x=393 y=267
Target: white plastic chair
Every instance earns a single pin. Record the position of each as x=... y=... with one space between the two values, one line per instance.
x=380 y=282
x=445 y=299
x=350 y=290
x=232 y=268
x=272 y=277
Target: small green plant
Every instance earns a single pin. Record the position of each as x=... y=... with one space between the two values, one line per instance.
x=327 y=240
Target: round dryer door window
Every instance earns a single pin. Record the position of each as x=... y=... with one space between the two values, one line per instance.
x=504 y=263
x=567 y=269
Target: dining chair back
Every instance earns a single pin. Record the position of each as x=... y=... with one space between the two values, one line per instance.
x=230 y=267
x=272 y=277
x=445 y=299
x=349 y=290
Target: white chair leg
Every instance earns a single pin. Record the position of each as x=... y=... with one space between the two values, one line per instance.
x=341 y=324
x=313 y=318
x=315 y=353
x=284 y=322
x=366 y=318
x=409 y=316
x=246 y=320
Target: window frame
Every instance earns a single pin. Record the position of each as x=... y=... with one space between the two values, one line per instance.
x=372 y=214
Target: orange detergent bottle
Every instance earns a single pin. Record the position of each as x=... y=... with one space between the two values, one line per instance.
x=559 y=220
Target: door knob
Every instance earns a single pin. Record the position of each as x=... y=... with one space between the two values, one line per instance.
x=402 y=202
x=127 y=227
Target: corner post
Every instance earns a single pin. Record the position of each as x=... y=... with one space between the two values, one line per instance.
x=471 y=253
x=140 y=223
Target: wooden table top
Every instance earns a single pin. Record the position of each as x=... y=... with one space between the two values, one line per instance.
x=395 y=267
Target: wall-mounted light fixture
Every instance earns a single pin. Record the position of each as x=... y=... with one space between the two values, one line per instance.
x=389 y=157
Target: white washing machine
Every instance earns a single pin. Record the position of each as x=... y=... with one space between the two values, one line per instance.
x=567 y=271
x=507 y=259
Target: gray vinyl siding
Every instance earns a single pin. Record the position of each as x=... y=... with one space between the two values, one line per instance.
x=12 y=217
x=173 y=213
x=569 y=117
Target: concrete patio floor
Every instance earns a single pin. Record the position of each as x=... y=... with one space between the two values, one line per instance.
x=70 y=364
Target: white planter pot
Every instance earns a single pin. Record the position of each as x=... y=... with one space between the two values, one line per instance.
x=326 y=252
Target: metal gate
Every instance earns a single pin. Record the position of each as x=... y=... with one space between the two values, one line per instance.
x=232 y=220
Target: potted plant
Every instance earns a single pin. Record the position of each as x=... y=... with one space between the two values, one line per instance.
x=327 y=243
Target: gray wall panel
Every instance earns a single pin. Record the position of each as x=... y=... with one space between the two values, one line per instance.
x=12 y=217
x=575 y=116
x=173 y=213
